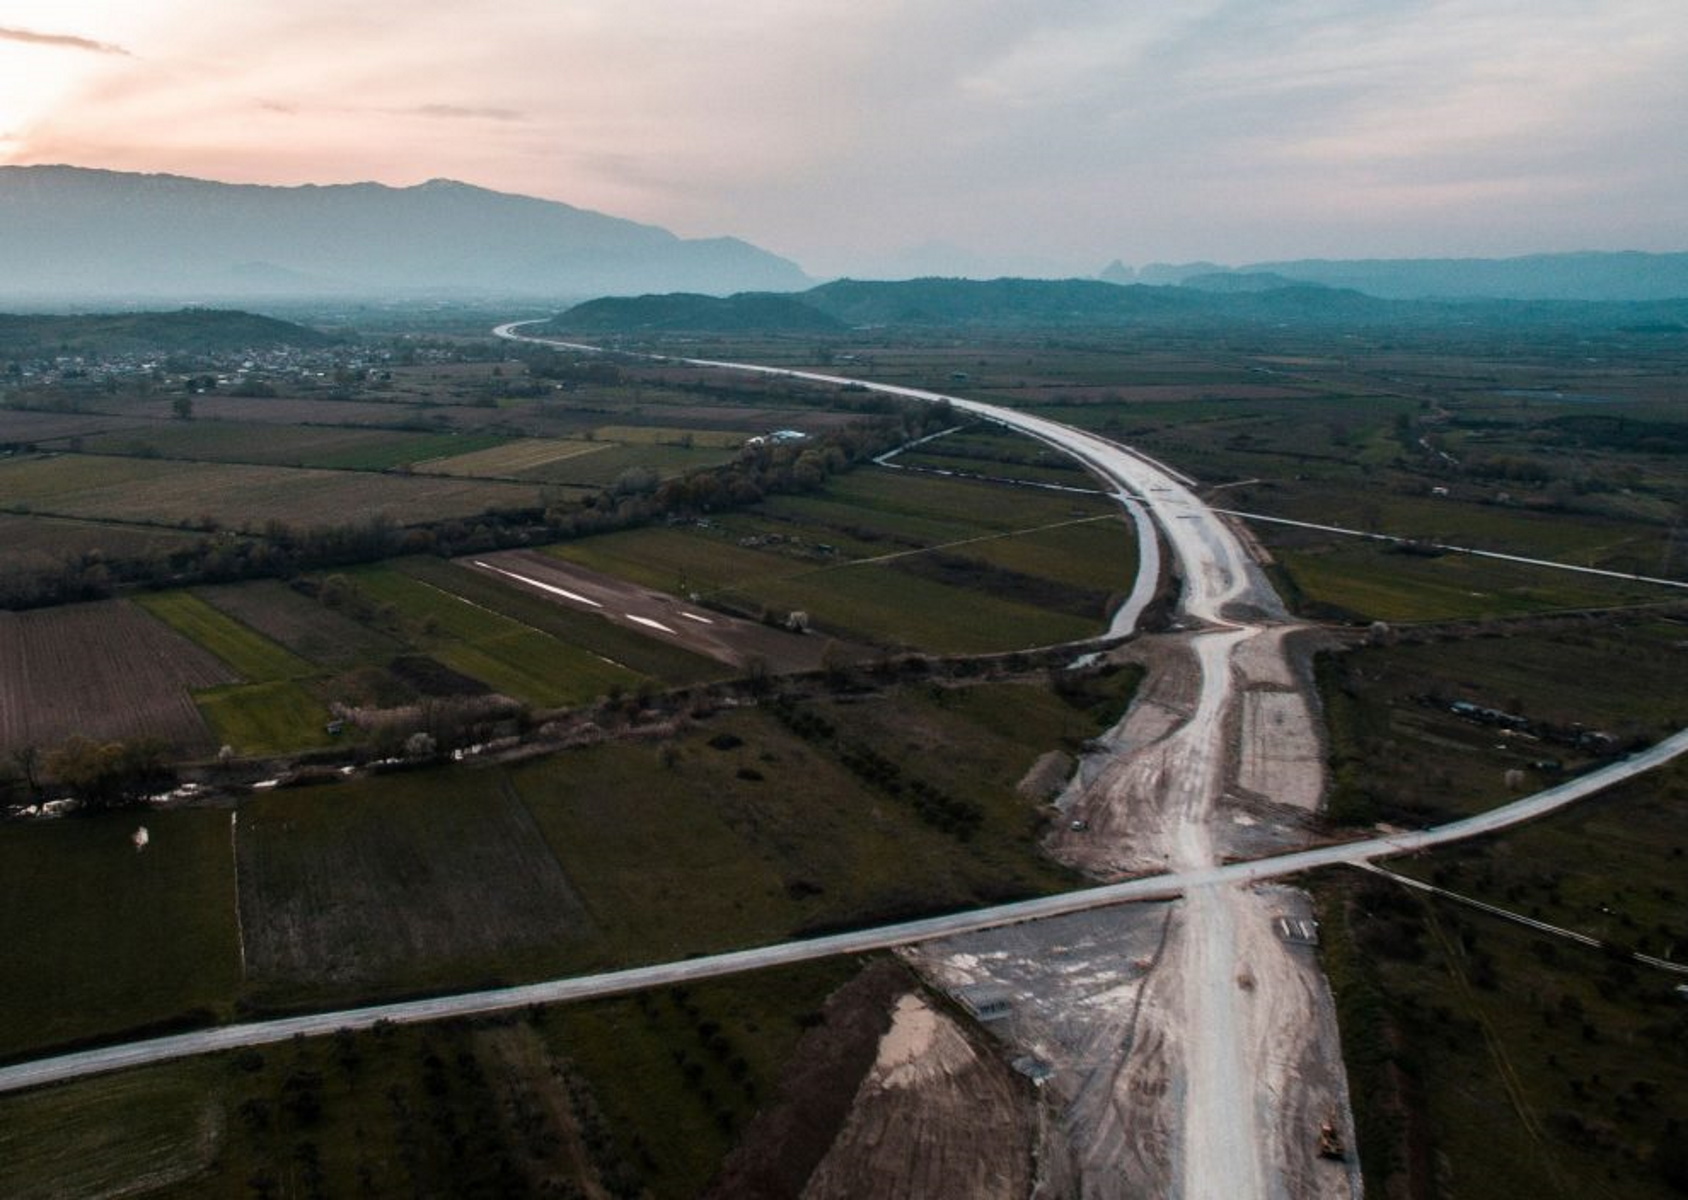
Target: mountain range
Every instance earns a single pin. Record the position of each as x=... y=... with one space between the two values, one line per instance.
x=75 y=233
x=1241 y=300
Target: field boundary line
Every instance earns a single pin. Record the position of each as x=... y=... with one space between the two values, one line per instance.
x=1494 y=910
x=1494 y=554
x=239 y=924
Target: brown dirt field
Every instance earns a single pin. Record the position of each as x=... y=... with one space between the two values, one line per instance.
x=106 y=670
x=237 y=494
x=42 y=543
x=17 y=425
x=787 y=1139
x=938 y=1115
x=661 y=615
x=889 y=1097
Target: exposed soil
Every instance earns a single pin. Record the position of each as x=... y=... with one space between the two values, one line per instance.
x=106 y=670
x=938 y=1115
x=786 y=1141
x=891 y=1096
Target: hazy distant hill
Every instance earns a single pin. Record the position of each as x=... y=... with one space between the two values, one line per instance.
x=1232 y=282
x=703 y=314
x=1589 y=276
x=1091 y=303
x=195 y=330
x=1593 y=275
x=72 y=232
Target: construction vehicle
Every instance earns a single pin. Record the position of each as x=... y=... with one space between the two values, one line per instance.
x=1330 y=1141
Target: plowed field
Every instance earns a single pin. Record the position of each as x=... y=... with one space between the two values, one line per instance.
x=106 y=670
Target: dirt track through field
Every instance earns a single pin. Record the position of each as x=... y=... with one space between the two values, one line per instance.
x=1221 y=1009
x=727 y=639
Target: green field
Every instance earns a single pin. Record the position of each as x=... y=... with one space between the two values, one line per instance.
x=282 y=445
x=277 y=717
x=519 y=660
x=273 y=712
x=1541 y=1067
x=634 y=651
x=1017 y=568
x=1363 y=581
x=101 y=938
x=673 y=560
x=251 y=654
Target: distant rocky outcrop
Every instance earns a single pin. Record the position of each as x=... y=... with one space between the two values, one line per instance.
x=75 y=233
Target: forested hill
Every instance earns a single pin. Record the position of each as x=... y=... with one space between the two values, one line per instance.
x=190 y=330
x=1046 y=303
x=684 y=310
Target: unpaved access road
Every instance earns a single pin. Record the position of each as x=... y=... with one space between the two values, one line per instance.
x=1219 y=1010
x=1224 y=1107
x=727 y=639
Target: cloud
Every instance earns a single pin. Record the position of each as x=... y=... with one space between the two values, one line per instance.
x=62 y=40
x=458 y=112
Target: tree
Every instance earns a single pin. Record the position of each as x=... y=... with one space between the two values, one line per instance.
x=110 y=774
x=182 y=406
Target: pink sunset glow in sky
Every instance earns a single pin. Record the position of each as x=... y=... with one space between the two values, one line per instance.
x=1042 y=137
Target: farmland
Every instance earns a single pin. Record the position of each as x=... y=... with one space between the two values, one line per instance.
x=880 y=784
x=103 y=938
x=106 y=670
x=332 y=447
x=617 y=1091
x=398 y=882
x=862 y=559
x=208 y=495
x=1402 y=755
x=1538 y=1065
x=511 y=657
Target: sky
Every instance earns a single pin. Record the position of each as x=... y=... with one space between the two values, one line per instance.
x=888 y=136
